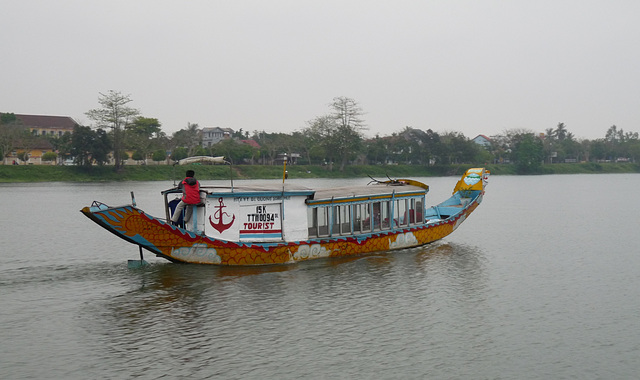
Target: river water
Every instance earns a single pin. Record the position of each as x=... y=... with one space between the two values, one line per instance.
x=542 y=281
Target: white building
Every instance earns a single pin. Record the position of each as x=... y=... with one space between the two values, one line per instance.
x=213 y=135
x=482 y=140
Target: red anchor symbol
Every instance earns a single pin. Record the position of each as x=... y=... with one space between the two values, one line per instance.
x=220 y=226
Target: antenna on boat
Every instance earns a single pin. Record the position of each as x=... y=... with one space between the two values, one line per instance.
x=284 y=169
x=230 y=172
x=173 y=173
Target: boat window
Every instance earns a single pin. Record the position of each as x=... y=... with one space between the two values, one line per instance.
x=318 y=221
x=374 y=216
x=377 y=215
x=345 y=219
x=357 y=217
x=415 y=211
x=341 y=220
x=323 y=221
x=312 y=221
x=364 y=210
x=362 y=217
x=385 y=214
x=336 y=217
x=402 y=217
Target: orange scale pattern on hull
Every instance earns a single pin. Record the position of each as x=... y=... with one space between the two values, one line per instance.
x=132 y=223
x=254 y=255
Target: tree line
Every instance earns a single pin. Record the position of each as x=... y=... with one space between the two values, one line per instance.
x=335 y=139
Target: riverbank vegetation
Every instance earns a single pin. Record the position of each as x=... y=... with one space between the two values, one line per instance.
x=46 y=173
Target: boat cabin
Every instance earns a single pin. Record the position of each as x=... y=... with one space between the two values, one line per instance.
x=367 y=209
x=290 y=213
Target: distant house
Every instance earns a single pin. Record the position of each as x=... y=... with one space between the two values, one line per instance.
x=251 y=143
x=213 y=135
x=40 y=126
x=44 y=125
x=35 y=152
x=482 y=140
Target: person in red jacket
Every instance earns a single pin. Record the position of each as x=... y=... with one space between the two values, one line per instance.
x=190 y=196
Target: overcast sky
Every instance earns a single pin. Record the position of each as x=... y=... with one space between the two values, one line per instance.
x=476 y=67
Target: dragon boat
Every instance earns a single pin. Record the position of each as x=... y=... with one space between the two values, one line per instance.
x=283 y=223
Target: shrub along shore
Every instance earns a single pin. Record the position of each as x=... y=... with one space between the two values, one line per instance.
x=41 y=173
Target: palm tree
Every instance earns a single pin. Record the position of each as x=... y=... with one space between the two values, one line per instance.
x=561 y=131
x=549 y=134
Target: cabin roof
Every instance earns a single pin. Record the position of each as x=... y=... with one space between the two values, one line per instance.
x=320 y=194
x=363 y=191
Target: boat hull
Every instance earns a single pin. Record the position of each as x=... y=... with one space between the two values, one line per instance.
x=180 y=245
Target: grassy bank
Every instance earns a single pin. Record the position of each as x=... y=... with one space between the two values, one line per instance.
x=37 y=173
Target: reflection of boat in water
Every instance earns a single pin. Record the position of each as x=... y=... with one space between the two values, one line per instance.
x=255 y=225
